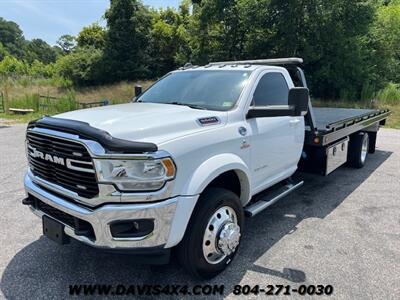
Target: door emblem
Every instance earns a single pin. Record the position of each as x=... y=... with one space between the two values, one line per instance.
x=208 y=121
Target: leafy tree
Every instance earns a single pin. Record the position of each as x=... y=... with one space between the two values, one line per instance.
x=385 y=35
x=93 y=35
x=169 y=40
x=350 y=47
x=83 y=66
x=38 y=49
x=3 y=52
x=58 y=51
x=327 y=35
x=184 y=51
x=126 y=40
x=12 y=38
x=67 y=43
x=39 y=69
x=11 y=66
x=200 y=31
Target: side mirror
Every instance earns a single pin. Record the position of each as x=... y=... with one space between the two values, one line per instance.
x=138 y=90
x=298 y=98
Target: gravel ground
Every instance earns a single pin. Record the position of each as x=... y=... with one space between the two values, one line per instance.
x=342 y=230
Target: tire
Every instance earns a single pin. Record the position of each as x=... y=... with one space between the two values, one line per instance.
x=358 y=150
x=372 y=142
x=198 y=241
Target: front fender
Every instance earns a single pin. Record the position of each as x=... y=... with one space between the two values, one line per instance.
x=215 y=166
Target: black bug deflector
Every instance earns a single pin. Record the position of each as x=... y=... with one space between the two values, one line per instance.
x=84 y=130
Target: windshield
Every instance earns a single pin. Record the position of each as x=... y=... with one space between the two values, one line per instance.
x=213 y=90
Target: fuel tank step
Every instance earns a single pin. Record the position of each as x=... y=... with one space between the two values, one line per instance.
x=270 y=196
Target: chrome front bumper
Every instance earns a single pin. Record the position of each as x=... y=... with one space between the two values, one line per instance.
x=170 y=219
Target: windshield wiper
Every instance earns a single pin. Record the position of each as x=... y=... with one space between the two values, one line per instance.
x=194 y=106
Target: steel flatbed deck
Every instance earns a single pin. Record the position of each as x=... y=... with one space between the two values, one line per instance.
x=333 y=124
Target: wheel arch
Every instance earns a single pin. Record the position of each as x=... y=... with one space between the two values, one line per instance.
x=212 y=169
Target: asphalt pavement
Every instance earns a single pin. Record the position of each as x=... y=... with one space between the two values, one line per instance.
x=341 y=230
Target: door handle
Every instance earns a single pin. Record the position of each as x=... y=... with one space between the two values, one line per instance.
x=294 y=122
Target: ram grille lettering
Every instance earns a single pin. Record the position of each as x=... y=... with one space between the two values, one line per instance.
x=47 y=157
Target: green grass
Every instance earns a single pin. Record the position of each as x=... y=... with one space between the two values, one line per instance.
x=390 y=95
x=394 y=119
x=24 y=93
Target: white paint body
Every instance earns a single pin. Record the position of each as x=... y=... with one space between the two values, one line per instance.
x=201 y=153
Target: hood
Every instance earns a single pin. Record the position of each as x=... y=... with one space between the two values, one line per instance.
x=146 y=122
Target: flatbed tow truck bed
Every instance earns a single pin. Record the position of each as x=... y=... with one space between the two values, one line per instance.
x=327 y=117
x=329 y=131
x=328 y=125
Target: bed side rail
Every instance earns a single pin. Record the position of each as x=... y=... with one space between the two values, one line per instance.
x=346 y=127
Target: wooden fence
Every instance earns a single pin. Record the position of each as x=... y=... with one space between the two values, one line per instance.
x=105 y=102
x=46 y=102
x=2 y=109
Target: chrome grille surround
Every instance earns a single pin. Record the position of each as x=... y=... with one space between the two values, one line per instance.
x=107 y=192
x=65 y=163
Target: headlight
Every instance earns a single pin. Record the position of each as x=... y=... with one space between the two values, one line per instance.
x=135 y=175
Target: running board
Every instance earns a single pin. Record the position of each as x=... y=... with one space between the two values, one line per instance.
x=271 y=198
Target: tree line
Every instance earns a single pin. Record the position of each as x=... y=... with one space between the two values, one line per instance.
x=351 y=48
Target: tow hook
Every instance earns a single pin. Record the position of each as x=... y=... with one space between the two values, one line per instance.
x=27 y=201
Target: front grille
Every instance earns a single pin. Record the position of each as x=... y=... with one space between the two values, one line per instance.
x=80 y=226
x=65 y=163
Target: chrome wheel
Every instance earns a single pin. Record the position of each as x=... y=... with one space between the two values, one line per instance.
x=222 y=235
x=364 y=148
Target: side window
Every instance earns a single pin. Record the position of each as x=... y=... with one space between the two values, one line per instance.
x=272 y=89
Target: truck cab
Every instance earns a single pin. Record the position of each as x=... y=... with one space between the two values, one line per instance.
x=179 y=167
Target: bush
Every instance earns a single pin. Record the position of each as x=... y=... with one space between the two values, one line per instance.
x=62 y=82
x=82 y=66
x=39 y=69
x=10 y=66
x=367 y=92
x=3 y=52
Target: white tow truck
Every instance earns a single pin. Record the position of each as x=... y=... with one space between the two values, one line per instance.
x=179 y=167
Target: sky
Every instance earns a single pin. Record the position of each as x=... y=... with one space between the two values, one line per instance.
x=49 y=19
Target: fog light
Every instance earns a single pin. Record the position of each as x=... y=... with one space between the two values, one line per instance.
x=132 y=228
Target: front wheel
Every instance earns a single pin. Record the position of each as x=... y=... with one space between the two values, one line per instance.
x=213 y=235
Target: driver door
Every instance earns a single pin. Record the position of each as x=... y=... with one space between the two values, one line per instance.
x=276 y=142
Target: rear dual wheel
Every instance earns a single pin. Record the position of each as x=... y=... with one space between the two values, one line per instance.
x=358 y=150
x=213 y=235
